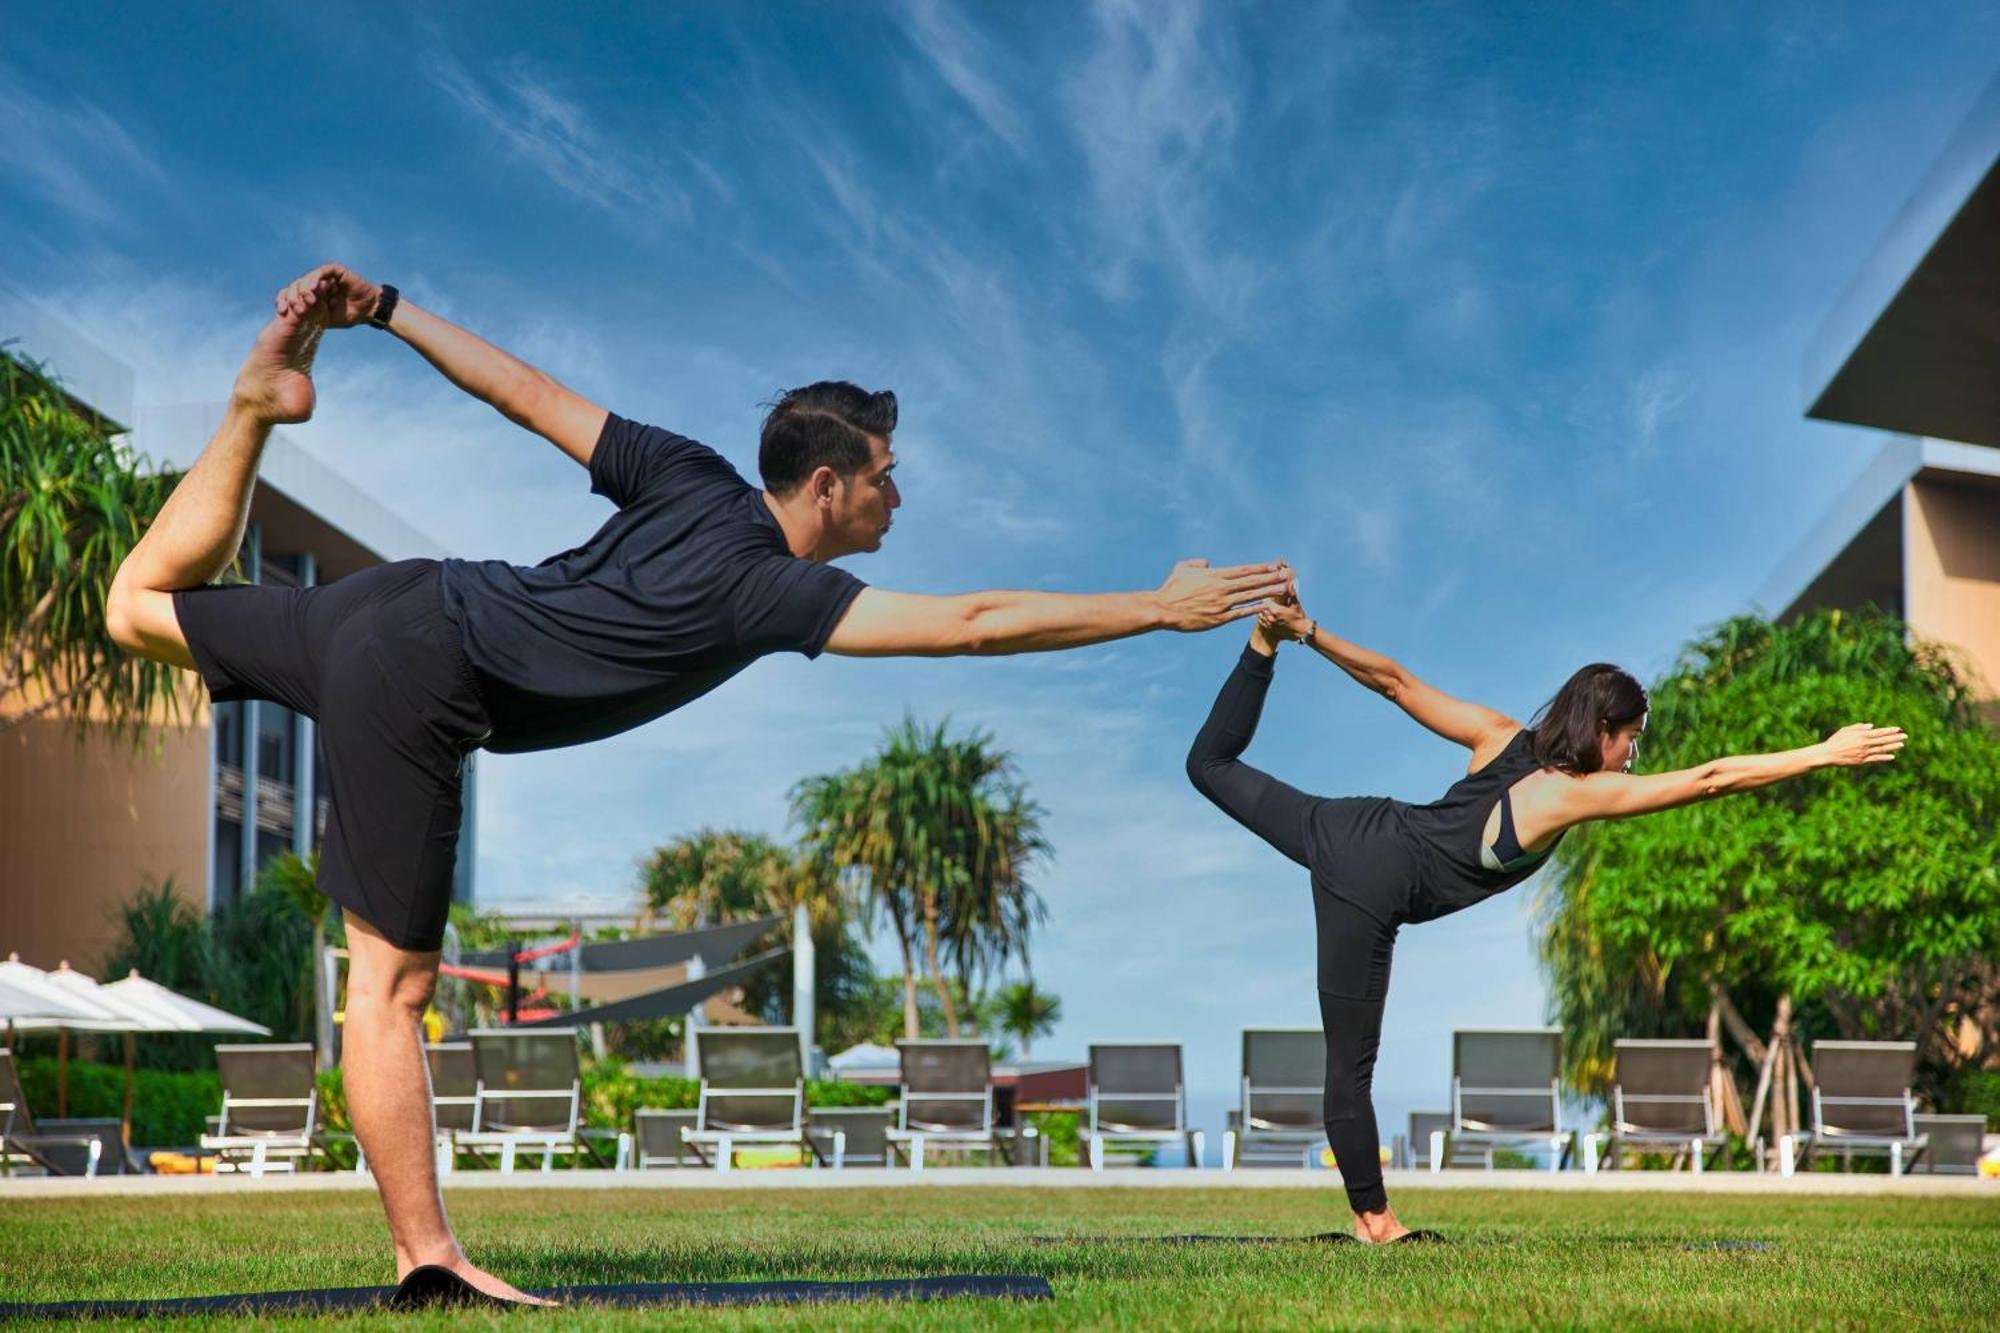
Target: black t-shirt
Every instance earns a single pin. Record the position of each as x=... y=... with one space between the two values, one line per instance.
x=687 y=584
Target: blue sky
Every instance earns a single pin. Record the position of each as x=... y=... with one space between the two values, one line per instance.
x=1490 y=318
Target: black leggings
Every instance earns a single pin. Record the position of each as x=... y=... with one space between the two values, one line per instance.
x=1354 y=946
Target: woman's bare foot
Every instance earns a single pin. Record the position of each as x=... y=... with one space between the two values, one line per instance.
x=1378 y=1228
x=275 y=384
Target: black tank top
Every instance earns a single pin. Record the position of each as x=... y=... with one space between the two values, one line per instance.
x=1452 y=833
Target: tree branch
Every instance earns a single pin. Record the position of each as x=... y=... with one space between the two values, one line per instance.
x=1745 y=1036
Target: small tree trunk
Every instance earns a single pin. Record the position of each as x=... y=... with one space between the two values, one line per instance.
x=1791 y=1083
x=910 y=1032
x=937 y=971
x=1721 y=1086
x=1769 y=1076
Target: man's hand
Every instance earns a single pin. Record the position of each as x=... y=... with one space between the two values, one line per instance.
x=343 y=297
x=1195 y=597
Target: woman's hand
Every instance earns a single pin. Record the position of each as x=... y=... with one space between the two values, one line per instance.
x=1283 y=617
x=343 y=297
x=1861 y=743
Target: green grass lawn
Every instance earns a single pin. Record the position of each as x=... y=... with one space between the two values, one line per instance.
x=1519 y=1258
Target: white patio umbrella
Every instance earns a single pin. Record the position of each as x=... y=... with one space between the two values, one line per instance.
x=131 y=1006
x=168 y=1011
x=867 y=1055
x=83 y=1015
x=61 y=1008
x=25 y=1006
x=195 y=1016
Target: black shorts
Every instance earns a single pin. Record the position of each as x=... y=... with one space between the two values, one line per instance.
x=376 y=662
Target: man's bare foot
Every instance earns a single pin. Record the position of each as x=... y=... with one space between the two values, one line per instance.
x=275 y=383
x=1378 y=1228
x=481 y=1280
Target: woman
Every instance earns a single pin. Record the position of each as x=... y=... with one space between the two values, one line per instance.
x=1377 y=863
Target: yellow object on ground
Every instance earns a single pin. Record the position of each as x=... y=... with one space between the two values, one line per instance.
x=180 y=1164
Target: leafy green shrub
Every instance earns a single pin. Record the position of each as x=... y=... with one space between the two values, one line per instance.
x=611 y=1093
x=168 y=1109
x=333 y=1101
x=839 y=1092
x=1063 y=1133
x=1973 y=1092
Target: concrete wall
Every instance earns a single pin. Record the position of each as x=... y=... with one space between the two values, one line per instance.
x=1951 y=543
x=82 y=822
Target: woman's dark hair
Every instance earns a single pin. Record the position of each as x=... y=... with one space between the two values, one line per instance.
x=821 y=425
x=1566 y=728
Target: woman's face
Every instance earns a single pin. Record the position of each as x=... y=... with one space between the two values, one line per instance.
x=1620 y=744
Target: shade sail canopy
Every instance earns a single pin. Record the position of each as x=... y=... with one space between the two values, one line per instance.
x=712 y=944
x=668 y=1003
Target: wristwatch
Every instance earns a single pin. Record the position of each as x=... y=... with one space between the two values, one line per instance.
x=385 y=307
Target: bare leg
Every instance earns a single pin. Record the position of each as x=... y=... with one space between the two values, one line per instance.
x=389 y=1099
x=199 y=529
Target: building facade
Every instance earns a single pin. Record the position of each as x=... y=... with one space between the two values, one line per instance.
x=1913 y=348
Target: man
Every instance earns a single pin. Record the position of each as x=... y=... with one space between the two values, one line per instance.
x=409 y=666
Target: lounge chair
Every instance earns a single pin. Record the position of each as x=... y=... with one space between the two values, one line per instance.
x=454 y=1094
x=862 y=1133
x=657 y=1138
x=1137 y=1096
x=752 y=1091
x=270 y=1108
x=528 y=1094
x=1280 y=1112
x=946 y=1099
x=1860 y=1103
x=1506 y=1089
x=56 y=1153
x=1662 y=1100
x=1952 y=1144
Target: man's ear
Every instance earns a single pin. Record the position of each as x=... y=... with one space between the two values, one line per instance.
x=821 y=484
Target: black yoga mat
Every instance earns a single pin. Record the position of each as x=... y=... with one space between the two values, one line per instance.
x=1323 y=1238
x=427 y=1288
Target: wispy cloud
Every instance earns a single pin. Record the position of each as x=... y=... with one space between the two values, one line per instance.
x=556 y=136
x=961 y=59
x=1155 y=118
x=73 y=153
x=1656 y=396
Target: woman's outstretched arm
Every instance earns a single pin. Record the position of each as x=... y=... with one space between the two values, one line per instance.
x=1475 y=726
x=1622 y=795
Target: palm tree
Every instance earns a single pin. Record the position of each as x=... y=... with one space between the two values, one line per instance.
x=941 y=834
x=1027 y=1012
x=73 y=502
x=717 y=875
x=846 y=835
x=995 y=909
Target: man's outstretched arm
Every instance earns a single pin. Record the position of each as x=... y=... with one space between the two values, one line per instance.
x=1194 y=597
x=524 y=395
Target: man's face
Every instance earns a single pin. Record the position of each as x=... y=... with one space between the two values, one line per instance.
x=865 y=501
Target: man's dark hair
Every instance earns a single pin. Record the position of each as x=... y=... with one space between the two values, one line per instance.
x=821 y=425
x=1566 y=728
